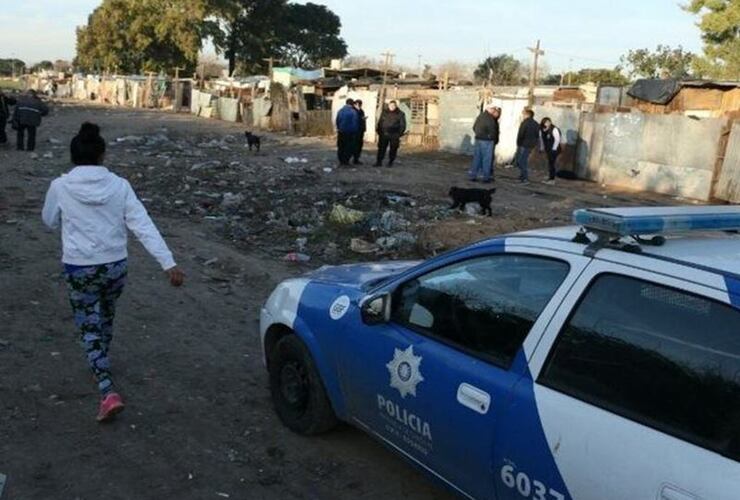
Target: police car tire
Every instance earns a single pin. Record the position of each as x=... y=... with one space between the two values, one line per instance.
x=318 y=417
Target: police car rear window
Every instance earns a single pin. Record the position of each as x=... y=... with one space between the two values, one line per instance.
x=660 y=356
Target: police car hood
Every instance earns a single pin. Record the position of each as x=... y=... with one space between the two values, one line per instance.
x=363 y=276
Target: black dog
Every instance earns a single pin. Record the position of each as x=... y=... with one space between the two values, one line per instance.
x=461 y=197
x=253 y=141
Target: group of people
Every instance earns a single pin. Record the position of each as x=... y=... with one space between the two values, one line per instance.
x=351 y=123
x=530 y=135
x=25 y=119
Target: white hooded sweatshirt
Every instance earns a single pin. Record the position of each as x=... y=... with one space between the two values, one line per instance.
x=94 y=207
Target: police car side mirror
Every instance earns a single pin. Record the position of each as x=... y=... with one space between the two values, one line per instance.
x=376 y=309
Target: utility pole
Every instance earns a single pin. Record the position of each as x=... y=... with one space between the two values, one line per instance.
x=178 y=90
x=419 y=65
x=270 y=65
x=533 y=78
x=570 y=72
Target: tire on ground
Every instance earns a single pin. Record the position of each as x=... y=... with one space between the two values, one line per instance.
x=315 y=414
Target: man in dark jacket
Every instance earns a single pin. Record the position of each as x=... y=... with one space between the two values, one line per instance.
x=348 y=126
x=27 y=117
x=390 y=128
x=486 y=137
x=5 y=103
x=526 y=140
x=361 y=134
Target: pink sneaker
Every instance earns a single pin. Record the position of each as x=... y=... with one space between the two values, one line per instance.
x=110 y=406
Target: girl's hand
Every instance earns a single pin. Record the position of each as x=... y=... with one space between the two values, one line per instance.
x=176 y=276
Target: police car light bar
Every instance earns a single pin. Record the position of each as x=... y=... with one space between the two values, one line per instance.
x=658 y=220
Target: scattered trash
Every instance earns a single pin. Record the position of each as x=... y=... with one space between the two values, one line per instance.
x=343 y=215
x=328 y=170
x=472 y=209
x=223 y=495
x=52 y=140
x=391 y=221
x=297 y=257
x=301 y=244
x=49 y=155
x=134 y=139
x=293 y=159
x=34 y=156
x=359 y=245
x=231 y=201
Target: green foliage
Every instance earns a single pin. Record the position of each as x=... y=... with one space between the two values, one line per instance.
x=133 y=36
x=43 y=65
x=499 y=70
x=597 y=75
x=664 y=62
x=247 y=32
x=310 y=36
x=720 y=26
x=6 y=67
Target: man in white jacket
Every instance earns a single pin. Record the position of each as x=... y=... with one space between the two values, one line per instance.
x=94 y=208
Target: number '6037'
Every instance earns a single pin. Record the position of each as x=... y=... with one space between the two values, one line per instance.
x=526 y=487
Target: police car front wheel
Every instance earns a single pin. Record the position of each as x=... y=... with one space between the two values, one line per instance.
x=298 y=394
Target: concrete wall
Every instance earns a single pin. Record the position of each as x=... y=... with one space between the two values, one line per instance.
x=369 y=100
x=728 y=183
x=669 y=154
x=457 y=113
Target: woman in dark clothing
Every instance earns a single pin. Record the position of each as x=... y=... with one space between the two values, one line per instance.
x=550 y=140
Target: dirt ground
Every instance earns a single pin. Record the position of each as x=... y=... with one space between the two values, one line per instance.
x=199 y=422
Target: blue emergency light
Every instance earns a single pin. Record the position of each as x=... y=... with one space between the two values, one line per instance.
x=635 y=221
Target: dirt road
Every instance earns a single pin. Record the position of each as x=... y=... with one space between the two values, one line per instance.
x=199 y=422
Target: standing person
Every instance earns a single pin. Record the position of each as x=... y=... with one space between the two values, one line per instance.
x=27 y=117
x=94 y=207
x=5 y=103
x=361 y=133
x=391 y=127
x=550 y=138
x=486 y=138
x=348 y=126
x=526 y=140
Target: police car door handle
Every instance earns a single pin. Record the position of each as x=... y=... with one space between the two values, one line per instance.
x=471 y=397
x=669 y=492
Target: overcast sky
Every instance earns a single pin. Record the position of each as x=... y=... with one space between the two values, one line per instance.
x=584 y=33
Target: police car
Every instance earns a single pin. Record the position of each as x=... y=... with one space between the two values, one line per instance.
x=600 y=361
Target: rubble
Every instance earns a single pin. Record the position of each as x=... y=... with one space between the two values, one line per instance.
x=359 y=245
x=343 y=215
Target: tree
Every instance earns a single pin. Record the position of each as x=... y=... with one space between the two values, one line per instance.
x=10 y=67
x=596 y=75
x=142 y=35
x=247 y=32
x=42 y=66
x=664 y=62
x=500 y=70
x=720 y=26
x=456 y=71
x=310 y=36
x=62 y=66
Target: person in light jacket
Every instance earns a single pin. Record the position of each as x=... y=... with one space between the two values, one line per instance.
x=94 y=207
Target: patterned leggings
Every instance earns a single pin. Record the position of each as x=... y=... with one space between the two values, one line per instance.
x=93 y=291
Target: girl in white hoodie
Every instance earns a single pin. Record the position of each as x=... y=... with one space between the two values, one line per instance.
x=94 y=207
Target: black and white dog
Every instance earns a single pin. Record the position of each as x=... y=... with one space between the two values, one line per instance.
x=461 y=197
x=253 y=141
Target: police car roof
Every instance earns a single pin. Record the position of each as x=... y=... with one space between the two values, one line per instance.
x=713 y=250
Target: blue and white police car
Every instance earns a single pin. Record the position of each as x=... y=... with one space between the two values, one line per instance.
x=600 y=361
